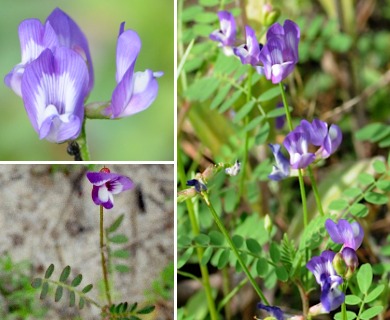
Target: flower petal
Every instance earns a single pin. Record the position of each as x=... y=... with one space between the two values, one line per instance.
x=56 y=79
x=70 y=35
x=127 y=50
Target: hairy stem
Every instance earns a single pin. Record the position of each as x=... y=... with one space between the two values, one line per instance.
x=104 y=264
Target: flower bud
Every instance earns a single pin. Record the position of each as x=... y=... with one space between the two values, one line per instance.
x=339 y=264
x=267 y=223
x=351 y=260
x=185 y=194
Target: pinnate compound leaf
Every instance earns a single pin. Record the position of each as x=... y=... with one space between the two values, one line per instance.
x=244 y=110
x=49 y=271
x=65 y=274
x=371 y=313
x=77 y=280
x=274 y=252
x=358 y=210
x=36 y=283
x=352 y=300
x=58 y=294
x=281 y=273
x=374 y=293
x=379 y=166
x=87 y=288
x=44 y=290
x=364 y=277
x=116 y=224
x=146 y=310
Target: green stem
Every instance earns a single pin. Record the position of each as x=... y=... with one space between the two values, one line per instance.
x=82 y=142
x=246 y=143
x=344 y=306
x=103 y=259
x=232 y=293
x=233 y=247
x=300 y=171
x=199 y=251
x=315 y=190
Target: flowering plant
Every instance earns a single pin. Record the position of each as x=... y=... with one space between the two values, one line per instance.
x=56 y=76
x=289 y=228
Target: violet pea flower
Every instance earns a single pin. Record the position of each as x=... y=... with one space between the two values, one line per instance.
x=280 y=54
x=53 y=88
x=70 y=35
x=105 y=185
x=297 y=145
x=328 y=139
x=249 y=53
x=198 y=184
x=281 y=169
x=276 y=312
x=135 y=91
x=226 y=35
x=322 y=268
x=34 y=38
x=349 y=234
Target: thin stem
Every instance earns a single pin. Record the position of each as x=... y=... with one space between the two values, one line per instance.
x=300 y=171
x=305 y=302
x=199 y=251
x=315 y=190
x=82 y=142
x=246 y=143
x=104 y=265
x=343 y=306
x=233 y=247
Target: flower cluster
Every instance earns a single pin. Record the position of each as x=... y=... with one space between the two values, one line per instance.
x=56 y=76
x=330 y=268
x=298 y=142
x=278 y=56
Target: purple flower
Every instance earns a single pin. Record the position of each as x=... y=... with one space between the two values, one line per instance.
x=105 y=185
x=322 y=268
x=280 y=54
x=227 y=34
x=328 y=139
x=135 y=91
x=53 y=89
x=297 y=145
x=197 y=184
x=70 y=35
x=34 y=38
x=234 y=169
x=249 y=53
x=350 y=258
x=349 y=234
x=274 y=311
x=58 y=30
x=281 y=169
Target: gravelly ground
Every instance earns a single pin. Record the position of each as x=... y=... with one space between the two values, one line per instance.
x=47 y=216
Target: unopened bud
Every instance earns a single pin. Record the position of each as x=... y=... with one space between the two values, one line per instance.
x=185 y=194
x=268 y=223
x=339 y=264
x=351 y=260
x=269 y=17
x=105 y=170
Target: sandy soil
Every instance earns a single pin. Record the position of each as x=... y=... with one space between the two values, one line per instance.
x=47 y=216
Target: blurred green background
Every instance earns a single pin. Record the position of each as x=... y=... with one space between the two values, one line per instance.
x=148 y=135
